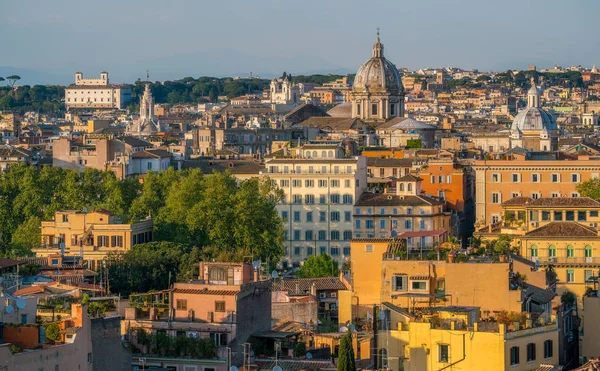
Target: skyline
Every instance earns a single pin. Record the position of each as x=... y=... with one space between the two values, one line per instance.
x=228 y=39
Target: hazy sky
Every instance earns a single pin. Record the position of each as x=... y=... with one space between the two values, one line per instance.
x=54 y=39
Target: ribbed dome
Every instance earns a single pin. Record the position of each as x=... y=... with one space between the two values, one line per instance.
x=412 y=124
x=533 y=119
x=377 y=73
x=341 y=110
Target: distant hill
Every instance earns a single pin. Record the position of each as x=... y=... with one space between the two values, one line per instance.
x=34 y=77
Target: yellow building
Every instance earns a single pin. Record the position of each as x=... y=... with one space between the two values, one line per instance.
x=455 y=338
x=91 y=235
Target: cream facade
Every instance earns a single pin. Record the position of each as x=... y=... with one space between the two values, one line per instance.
x=319 y=196
x=96 y=93
x=91 y=235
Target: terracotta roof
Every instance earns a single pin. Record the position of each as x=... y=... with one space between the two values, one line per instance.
x=389 y=162
x=437 y=232
x=372 y=240
x=151 y=153
x=410 y=178
x=294 y=365
x=31 y=290
x=386 y=199
x=565 y=201
x=563 y=229
x=335 y=123
x=303 y=285
x=205 y=291
x=7 y=263
x=521 y=200
x=135 y=142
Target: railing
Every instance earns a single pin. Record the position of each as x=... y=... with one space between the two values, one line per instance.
x=530 y=331
x=565 y=260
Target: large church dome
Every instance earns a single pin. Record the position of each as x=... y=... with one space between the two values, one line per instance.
x=533 y=117
x=377 y=73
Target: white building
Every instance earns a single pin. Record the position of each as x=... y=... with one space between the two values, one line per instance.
x=320 y=190
x=96 y=93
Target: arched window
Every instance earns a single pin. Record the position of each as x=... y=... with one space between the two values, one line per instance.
x=570 y=251
x=552 y=251
x=401 y=187
x=314 y=154
x=409 y=187
x=330 y=154
x=323 y=154
x=588 y=251
x=358 y=108
x=534 y=251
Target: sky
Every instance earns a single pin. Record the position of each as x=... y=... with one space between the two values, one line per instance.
x=48 y=41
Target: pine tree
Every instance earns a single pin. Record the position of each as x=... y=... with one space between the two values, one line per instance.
x=346 y=355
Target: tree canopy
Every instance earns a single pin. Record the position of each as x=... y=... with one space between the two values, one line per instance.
x=318 y=266
x=590 y=188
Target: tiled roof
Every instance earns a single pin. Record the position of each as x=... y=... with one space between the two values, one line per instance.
x=592 y=365
x=539 y=295
x=7 y=263
x=135 y=142
x=521 y=200
x=437 y=232
x=151 y=153
x=10 y=151
x=563 y=229
x=293 y=365
x=303 y=285
x=205 y=291
x=372 y=240
x=335 y=123
x=409 y=178
x=565 y=201
x=389 y=162
x=386 y=199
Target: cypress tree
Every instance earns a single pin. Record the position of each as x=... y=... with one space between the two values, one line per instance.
x=346 y=355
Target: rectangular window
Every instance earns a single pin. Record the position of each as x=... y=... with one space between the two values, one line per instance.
x=370 y=224
x=382 y=224
x=347 y=235
x=322 y=216
x=516 y=178
x=346 y=253
x=536 y=195
x=322 y=183
x=308 y=235
x=284 y=216
x=548 y=349
x=418 y=285
x=309 y=217
x=323 y=199
x=496 y=198
x=546 y=216
x=296 y=235
x=335 y=216
x=334 y=199
x=408 y=224
x=496 y=178
x=347 y=216
x=514 y=356
x=357 y=224
x=570 y=215
x=309 y=199
x=558 y=215
x=570 y=275
x=575 y=178
x=400 y=283
x=284 y=183
x=335 y=183
x=181 y=304
x=219 y=306
x=530 y=352
x=296 y=216
x=535 y=178
x=594 y=214
x=335 y=235
x=555 y=178
x=309 y=183
x=443 y=349
x=322 y=235
x=335 y=251
x=297 y=199
x=587 y=274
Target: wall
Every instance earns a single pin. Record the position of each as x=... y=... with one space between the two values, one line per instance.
x=366 y=271
x=109 y=353
x=25 y=337
x=253 y=314
x=297 y=312
x=489 y=291
x=591 y=324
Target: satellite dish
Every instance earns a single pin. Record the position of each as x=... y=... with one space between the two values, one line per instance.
x=308 y=355
x=343 y=329
x=277 y=368
x=381 y=315
x=234 y=368
x=394 y=233
x=21 y=303
x=255 y=264
x=9 y=309
x=274 y=274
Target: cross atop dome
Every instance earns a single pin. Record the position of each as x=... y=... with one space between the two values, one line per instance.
x=377 y=47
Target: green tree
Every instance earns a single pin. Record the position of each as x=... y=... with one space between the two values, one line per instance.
x=53 y=332
x=26 y=236
x=318 y=266
x=12 y=80
x=589 y=188
x=346 y=361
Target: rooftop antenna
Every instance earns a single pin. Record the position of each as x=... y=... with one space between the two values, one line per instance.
x=147 y=75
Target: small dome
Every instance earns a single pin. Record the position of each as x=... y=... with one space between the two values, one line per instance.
x=377 y=73
x=533 y=119
x=341 y=110
x=412 y=124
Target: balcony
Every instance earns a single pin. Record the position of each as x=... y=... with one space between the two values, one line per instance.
x=565 y=260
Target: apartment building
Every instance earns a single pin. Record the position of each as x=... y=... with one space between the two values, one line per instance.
x=535 y=176
x=402 y=211
x=320 y=192
x=226 y=304
x=91 y=235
